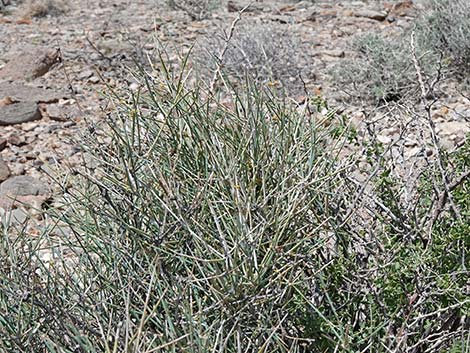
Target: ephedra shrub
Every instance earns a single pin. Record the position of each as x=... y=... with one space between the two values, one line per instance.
x=225 y=227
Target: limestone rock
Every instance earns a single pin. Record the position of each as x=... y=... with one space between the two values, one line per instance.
x=62 y=112
x=22 y=192
x=20 y=93
x=453 y=130
x=236 y=6
x=29 y=64
x=23 y=185
x=401 y=8
x=18 y=113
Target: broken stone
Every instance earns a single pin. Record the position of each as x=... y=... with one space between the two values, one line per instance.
x=384 y=139
x=19 y=113
x=61 y=112
x=4 y=170
x=372 y=14
x=9 y=203
x=458 y=128
x=3 y=143
x=335 y=53
x=54 y=112
x=236 y=6
x=32 y=62
x=93 y=79
x=6 y=101
x=16 y=140
x=22 y=93
x=401 y=8
x=85 y=74
x=18 y=216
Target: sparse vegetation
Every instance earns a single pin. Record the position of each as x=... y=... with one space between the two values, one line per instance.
x=261 y=51
x=384 y=70
x=42 y=8
x=196 y=9
x=446 y=29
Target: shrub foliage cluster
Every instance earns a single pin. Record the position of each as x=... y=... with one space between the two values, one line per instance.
x=239 y=222
x=211 y=227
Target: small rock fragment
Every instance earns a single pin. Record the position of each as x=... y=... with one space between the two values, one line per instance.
x=458 y=128
x=54 y=112
x=335 y=53
x=6 y=101
x=384 y=139
x=62 y=112
x=22 y=93
x=401 y=8
x=236 y=6
x=4 y=170
x=16 y=140
x=372 y=14
x=85 y=74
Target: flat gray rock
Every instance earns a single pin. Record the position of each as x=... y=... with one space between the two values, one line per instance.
x=22 y=93
x=23 y=185
x=14 y=216
x=20 y=112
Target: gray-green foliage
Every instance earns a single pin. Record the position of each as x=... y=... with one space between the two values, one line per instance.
x=211 y=227
x=383 y=68
x=446 y=28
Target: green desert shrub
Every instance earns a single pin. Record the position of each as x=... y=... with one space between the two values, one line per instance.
x=201 y=230
x=445 y=28
x=208 y=226
x=383 y=69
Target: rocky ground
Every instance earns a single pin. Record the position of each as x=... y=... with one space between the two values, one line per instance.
x=55 y=71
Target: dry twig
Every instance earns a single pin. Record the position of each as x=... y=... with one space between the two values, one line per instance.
x=445 y=195
x=223 y=50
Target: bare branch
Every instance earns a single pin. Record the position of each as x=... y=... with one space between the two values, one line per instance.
x=223 y=50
